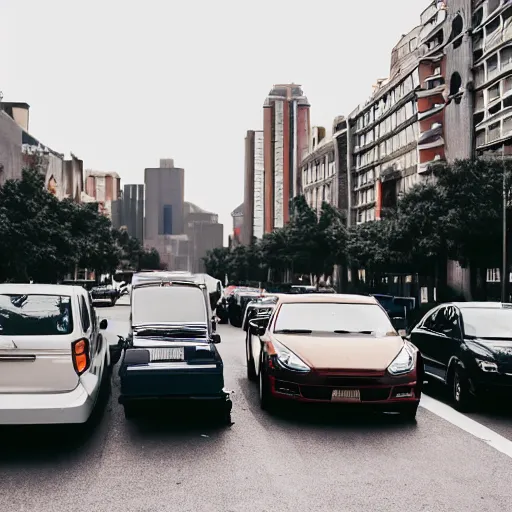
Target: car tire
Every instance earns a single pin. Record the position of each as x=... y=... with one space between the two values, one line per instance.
x=251 y=370
x=130 y=411
x=267 y=401
x=112 y=302
x=409 y=411
x=461 y=391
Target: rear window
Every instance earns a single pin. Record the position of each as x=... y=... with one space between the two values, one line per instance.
x=35 y=315
x=155 y=304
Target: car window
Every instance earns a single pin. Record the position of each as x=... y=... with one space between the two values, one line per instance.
x=451 y=322
x=330 y=317
x=84 y=314
x=35 y=315
x=487 y=322
x=94 y=317
x=182 y=304
x=430 y=322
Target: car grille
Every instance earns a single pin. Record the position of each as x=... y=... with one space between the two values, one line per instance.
x=165 y=354
x=324 y=393
x=350 y=381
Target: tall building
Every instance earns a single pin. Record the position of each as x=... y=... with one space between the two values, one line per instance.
x=163 y=198
x=253 y=209
x=492 y=70
x=286 y=131
x=130 y=211
x=383 y=136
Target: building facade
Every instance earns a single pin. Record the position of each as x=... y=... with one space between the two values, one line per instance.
x=204 y=234
x=492 y=71
x=237 y=234
x=319 y=170
x=103 y=188
x=131 y=211
x=286 y=131
x=164 y=190
x=253 y=205
x=10 y=147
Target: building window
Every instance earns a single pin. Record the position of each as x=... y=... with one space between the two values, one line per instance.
x=167 y=219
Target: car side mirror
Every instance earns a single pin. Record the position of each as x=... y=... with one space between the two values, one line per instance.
x=257 y=328
x=214 y=325
x=216 y=338
x=103 y=324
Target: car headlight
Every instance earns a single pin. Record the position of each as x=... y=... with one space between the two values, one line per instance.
x=487 y=366
x=403 y=363
x=288 y=359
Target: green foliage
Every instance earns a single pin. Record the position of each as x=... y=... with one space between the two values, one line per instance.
x=44 y=239
x=308 y=244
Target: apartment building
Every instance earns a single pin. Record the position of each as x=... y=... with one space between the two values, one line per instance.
x=324 y=168
x=492 y=68
x=383 y=136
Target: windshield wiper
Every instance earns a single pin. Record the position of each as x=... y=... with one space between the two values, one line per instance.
x=353 y=332
x=294 y=331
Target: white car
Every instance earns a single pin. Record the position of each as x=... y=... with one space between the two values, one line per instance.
x=53 y=358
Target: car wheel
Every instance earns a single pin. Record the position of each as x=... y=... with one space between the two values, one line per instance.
x=266 y=398
x=130 y=411
x=461 y=391
x=251 y=370
x=113 y=301
x=409 y=411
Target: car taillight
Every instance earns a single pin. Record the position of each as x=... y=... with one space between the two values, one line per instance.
x=80 y=354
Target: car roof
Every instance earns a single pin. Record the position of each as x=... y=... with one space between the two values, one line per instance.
x=480 y=305
x=40 y=289
x=337 y=298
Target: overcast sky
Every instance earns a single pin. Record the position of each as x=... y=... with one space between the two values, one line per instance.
x=122 y=83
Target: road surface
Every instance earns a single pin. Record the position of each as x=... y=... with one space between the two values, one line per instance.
x=304 y=460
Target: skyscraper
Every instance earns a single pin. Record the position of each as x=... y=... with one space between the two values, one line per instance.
x=253 y=188
x=164 y=188
x=286 y=132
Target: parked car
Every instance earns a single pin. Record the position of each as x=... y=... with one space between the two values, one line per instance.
x=170 y=353
x=259 y=307
x=334 y=348
x=238 y=304
x=468 y=347
x=53 y=358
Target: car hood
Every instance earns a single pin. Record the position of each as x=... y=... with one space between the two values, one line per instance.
x=344 y=352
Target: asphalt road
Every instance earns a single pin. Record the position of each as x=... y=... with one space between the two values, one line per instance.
x=298 y=461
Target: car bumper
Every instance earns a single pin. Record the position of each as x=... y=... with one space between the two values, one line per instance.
x=46 y=409
x=499 y=385
x=382 y=391
x=172 y=382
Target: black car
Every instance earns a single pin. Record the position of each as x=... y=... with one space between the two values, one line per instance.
x=170 y=353
x=468 y=346
x=237 y=305
x=258 y=308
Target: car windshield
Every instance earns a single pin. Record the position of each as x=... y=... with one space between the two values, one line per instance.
x=487 y=322
x=333 y=317
x=35 y=315
x=159 y=305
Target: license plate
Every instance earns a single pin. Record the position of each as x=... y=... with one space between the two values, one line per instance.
x=167 y=354
x=346 y=395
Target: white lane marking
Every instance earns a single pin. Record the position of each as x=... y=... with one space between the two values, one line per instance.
x=493 y=439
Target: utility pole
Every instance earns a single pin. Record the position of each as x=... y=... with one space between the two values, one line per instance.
x=504 y=270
